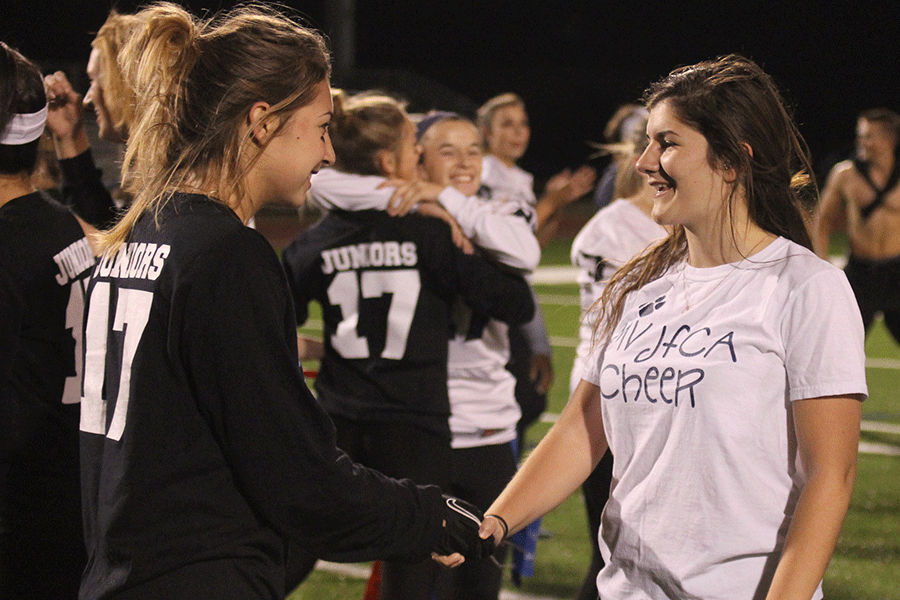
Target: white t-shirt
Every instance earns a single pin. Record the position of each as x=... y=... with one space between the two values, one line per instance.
x=615 y=234
x=696 y=408
x=513 y=183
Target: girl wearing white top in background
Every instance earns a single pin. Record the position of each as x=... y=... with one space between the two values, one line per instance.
x=729 y=368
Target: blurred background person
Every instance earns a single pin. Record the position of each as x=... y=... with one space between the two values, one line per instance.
x=485 y=412
x=620 y=129
x=613 y=236
x=45 y=258
x=112 y=101
x=862 y=199
x=506 y=131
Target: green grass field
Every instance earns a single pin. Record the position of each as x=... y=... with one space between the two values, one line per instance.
x=866 y=565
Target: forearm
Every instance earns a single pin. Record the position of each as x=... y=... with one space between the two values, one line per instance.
x=84 y=192
x=546 y=230
x=535 y=330
x=813 y=535
x=560 y=463
x=548 y=205
x=310 y=348
x=827 y=444
x=70 y=146
x=506 y=236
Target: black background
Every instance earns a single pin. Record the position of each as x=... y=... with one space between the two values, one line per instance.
x=573 y=62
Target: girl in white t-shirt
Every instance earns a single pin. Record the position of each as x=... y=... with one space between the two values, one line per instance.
x=505 y=133
x=728 y=372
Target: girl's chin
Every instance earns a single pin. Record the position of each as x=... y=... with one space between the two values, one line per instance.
x=661 y=215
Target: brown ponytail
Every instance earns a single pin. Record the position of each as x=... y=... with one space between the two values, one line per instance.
x=362 y=126
x=195 y=82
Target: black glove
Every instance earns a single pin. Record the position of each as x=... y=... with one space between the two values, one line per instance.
x=461 y=523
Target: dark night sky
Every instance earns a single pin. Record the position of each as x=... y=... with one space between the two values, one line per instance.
x=573 y=62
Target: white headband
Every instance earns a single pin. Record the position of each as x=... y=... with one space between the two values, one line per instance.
x=24 y=128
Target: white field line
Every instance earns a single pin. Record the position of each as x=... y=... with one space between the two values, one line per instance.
x=883 y=363
x=554 y=275
x=560 y=299
x=878 y=427
x=362 y=572
x=870 y=426
x=864 y=447
x=875 y=448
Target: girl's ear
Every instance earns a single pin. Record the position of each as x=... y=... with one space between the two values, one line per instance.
x=261 y=128
x=387 y=162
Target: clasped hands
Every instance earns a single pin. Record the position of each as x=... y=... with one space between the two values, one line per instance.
x=468 y=534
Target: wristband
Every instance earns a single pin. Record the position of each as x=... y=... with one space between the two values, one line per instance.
x=502 y=522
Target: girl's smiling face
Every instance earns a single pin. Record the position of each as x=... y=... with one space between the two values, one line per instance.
x=299 y=149
x=452 y=155
x=689 y=191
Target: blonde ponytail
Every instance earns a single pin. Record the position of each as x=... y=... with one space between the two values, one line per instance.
x=109 y=42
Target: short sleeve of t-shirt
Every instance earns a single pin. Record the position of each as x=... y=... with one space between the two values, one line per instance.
x=824 y=339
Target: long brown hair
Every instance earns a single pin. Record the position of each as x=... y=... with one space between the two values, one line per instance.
x=195 y=82
x=733 y=104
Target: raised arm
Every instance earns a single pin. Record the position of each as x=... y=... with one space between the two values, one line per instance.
x=828 y=440
x=561 y=190
x=503 y=230
x=83 y=190
x=65 y=117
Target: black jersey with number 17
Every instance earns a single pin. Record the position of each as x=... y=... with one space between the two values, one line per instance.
x=386 y=286
x=203 y=451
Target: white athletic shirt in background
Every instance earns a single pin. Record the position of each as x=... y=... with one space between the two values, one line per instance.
x=614 y=235
x=697 y=410
x=492 y=225
x=513 y=182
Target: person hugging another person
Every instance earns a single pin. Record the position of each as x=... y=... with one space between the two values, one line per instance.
x=483 y=408
x=485 y=414
x=386 y=287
